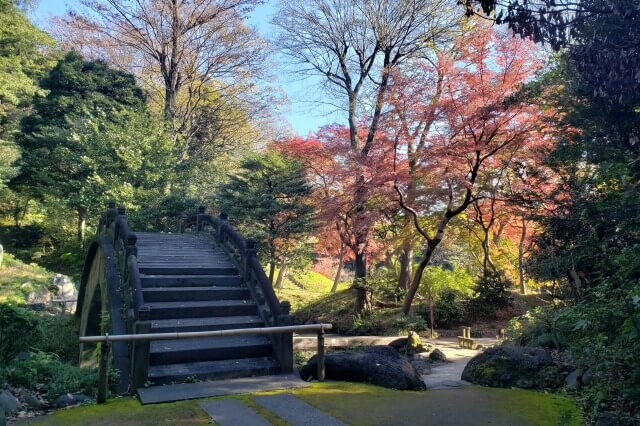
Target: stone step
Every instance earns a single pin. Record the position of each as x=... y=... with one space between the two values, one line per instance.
x=213 y=370
x=160 y=269
x=201 y=309
x=184 y=294
x=206 y=324
x=183 y=391
x=178 y=351
x=150 y=280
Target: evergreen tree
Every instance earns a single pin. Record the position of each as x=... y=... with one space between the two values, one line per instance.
x=89 y=139
x=268 y=197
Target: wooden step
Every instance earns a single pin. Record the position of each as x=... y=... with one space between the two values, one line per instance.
x=213 y=370
x=150 y=280
x=206 y=324
x=208 y=349
x=201 y=309
x=187 y=270
x=183 y=294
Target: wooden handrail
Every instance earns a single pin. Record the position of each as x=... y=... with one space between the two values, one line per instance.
x=199 y=334
x=103 y=376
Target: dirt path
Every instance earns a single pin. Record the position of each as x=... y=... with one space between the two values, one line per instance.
x=447 y=375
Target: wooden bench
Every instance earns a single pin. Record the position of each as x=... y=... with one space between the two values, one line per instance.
x=465 y=341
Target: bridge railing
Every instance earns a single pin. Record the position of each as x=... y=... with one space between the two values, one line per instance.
x=243 y=252
x=145 y=338
x=114 y=224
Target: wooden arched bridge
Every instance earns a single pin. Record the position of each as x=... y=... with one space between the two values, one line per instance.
x=207 y=277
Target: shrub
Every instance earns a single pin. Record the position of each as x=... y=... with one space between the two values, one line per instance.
x=46 y=372
x=18 y=331
x=448 y=310
x=492 y=290
x=59 y=335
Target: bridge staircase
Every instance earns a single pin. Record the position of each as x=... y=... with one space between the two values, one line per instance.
x=206 y=278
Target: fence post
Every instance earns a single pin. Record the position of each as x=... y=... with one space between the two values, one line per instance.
x=201 y=211
x=321 y=355
x=140 y=361
x=285 y=340
x=223 y=219
x=103 y=374
x=249 y=252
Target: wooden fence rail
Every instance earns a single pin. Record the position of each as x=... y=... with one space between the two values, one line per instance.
x=103 y=381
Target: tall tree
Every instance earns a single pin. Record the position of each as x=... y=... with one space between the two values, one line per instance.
x=198 y=59
x=478 y=129
x=354 y=46
x=23 y=61
x=269 y=198
x=89 y=139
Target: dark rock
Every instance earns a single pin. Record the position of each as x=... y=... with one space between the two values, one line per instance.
x=23 y=356
x=587 y=377
x=70 y=399
x=438 y=356
x=9 y=404
x=421 y=365
x=81 y=398
x=513 y=366
x=401 y=344
x=379 y=365
x=572 y=381
x=409 y=345
x=30 y=400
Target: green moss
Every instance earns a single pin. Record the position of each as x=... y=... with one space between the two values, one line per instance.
x=128 y=411
x=538 y=408
x=353 y=403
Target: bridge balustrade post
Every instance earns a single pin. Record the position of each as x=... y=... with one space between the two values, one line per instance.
x=284 y=346
x=132 y=239
x=249 y=252
x=223 y=219
x=140 y=350
x=201 y=211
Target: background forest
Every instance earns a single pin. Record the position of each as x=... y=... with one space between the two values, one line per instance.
x=485 y=163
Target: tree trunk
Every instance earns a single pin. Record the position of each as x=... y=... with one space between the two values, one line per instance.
x=406 y=260
x=432 y=314
x=360 y=283
x=336 y=280
x=82 y=222
x=272 y=269
x=523 y=282
x=487 y=262
x=281 y=272
x=432 y=244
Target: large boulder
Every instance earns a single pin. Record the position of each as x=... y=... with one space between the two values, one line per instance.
x=513 y=366
x=379 y=365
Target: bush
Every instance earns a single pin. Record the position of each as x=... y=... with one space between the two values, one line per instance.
x=18 y=331
x=59 y=335
x=492 y=290
x=448 y=311
x=45 y=372
x=389 y=322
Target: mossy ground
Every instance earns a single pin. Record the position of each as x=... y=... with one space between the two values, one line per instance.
x=17 y=279
x=357 y=404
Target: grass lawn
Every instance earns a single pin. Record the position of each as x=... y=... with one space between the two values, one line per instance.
x=355 y=404
x=18 y=279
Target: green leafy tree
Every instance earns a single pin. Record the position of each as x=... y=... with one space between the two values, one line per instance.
x=23 y=60
x=269 y=198
x=90 y=140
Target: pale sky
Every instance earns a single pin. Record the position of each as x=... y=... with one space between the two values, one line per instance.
x=305 y=114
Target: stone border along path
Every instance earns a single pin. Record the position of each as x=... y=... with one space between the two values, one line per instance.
x=232 y=412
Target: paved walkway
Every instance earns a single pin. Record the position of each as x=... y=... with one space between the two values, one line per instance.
x=295 y=412
x=448 y=375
